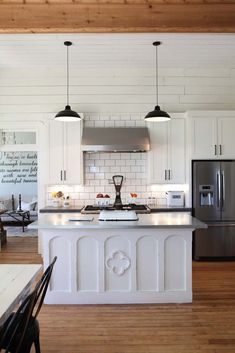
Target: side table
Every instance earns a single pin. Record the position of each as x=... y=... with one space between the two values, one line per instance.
x=21 y=216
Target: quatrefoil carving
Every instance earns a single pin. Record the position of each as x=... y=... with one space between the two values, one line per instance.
x=118 y=263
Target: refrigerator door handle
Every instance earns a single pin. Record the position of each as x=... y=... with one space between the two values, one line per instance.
x=222 y=189
x=218 y=188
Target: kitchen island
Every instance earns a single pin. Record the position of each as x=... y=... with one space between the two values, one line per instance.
x=112 y=262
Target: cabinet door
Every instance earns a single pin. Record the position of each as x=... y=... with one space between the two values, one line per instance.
x=157 y=161
x=204 y=138
x=56 y=151
x=73 y=155
x=176 y=151
x=226 y=140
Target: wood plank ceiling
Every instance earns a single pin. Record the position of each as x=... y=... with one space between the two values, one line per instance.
x=120 y=16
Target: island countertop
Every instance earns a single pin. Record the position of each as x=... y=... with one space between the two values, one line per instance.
x=155 y=220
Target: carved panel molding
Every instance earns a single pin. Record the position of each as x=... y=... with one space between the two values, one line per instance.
x=118 y=263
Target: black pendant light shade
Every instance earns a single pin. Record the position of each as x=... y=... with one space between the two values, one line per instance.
x=157 y=114
x=67 y=114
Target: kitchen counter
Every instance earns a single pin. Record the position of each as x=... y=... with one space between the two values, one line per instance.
x=169 y=209
x=73 y=209
x=144 y=261
x=51 y=209
x=154 y=220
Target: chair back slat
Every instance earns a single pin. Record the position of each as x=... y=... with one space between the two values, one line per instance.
x=14 y=334
x=42 y=287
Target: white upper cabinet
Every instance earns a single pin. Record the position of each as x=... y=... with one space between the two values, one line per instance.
x=66 y=162
x=166 y=161
x=203 y=138
x=212 y=137
x=226 y=137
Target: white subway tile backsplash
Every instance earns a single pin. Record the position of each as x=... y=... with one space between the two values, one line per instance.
x=104 y=169
x=121 y=162
x=125 y=169
x=89 y=163
x=141 y=175
x=140 y=162
x=99 y=175
x=115 y=156
x=130 y=124
x=125 y=117
x=109 y=162
x=135 y=117
x=136 y=156
x=90 y=124
x=109 y=124
x=115 y=117
x=91 y=156
x=93 y=117
x=125 y=155
x=143 y=169
x=104 y=117
x=120 y=123
x=99 y=123
x=90 y=189
x=103 y=182
x=94 y=182
x=94 y=169
x=136 y=169
x=78 y=188
x=98 y=162
x=83 y=195
x=130 y=175
x=90 y=176
x=103 y=155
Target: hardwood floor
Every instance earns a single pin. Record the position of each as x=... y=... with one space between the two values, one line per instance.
x=206 y=326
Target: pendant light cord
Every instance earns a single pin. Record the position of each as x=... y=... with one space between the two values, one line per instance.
x=156 y=76
x=67 y=75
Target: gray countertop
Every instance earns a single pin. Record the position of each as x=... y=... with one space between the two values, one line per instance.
x=154 y=220
x=170 y=209
x=72 y=209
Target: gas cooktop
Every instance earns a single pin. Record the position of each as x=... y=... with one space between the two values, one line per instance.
x=133 y=207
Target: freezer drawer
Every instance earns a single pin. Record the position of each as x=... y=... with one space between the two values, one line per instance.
x=217 y=241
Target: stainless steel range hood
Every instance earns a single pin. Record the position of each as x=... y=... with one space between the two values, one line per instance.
x=123 y=139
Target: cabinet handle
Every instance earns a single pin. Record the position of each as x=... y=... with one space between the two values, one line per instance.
x=215 y=150
x=165 y=174
x=61 y=175
x=64 y=174
x=220 y=149
x=169 y=174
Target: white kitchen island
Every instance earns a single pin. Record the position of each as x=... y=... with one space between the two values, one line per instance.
x=144 y=261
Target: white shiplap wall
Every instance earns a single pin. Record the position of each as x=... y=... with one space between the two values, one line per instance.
x=121 y=91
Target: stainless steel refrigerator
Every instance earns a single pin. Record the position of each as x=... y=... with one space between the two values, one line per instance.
x=213 y=200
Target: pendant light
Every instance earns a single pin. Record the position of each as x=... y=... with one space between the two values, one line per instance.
x=67 y=114
x=157 y=114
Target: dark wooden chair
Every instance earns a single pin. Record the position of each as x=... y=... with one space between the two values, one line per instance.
x=21 y=330
x=16 y=327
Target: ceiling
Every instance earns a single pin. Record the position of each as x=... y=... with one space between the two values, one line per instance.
x=109 y=51
x=117 y=16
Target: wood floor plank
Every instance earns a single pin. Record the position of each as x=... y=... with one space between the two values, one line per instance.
x=205 y=326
